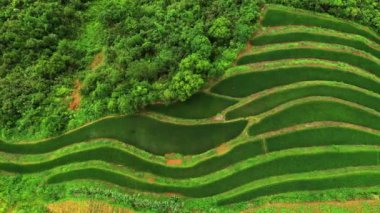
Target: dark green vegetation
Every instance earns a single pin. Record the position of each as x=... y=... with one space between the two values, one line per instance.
x=365 y=12
x=143 y=132
x=294 y=53
x=364 y=179
x=322 y=134
x=316 y=110
x=306 y=36
x=268 y=102
x=200 y=105
x=281 y=166
x=147 y=52
x=281 y=17
x=248 y=83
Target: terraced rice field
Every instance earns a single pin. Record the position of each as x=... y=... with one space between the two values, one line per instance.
x=301 y=112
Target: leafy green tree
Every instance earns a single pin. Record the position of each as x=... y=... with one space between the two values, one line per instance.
x=184 y=84
x=220 y=29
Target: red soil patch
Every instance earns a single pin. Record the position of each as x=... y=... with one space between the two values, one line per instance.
x=75 y=96
x=173 y=162
x=98 y=60
x=149 y=178
x=85 y=206
x=172 y=194
x=220 y=150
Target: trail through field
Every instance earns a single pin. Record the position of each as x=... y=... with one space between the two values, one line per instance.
x=85 y=206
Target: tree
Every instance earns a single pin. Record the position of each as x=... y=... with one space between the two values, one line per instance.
x=185 y=83
x=201 y=45
x=220 y=29
x=195 y=63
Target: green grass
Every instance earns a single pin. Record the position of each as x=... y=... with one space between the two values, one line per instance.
x=248 y=83
x=142 y=132
x=296 y=53
x=268 y=102
x=315 y=37
x=364 y=179
x=277 y=167
x=307 y=207
x=200 y=105
x=322 y=136
x=315 y=110
x=280 y=17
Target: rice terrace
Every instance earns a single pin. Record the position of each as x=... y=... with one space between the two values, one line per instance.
x=291 y=125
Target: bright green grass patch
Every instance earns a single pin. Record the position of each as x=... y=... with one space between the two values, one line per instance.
x=296 y=53
x=248 y=83
x=142 y=132
x=339 y=207
x=321 y=136
x=200 y=105
x=268 y=102
x=280 y=17
x=306 y=36
x=316 y=110
x=364 y=179
x=279 y=166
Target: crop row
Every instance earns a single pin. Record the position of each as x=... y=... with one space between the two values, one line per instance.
x=279 y=17
x=142 y=132
x=307 y=52
x=366 y=178
x=245 y=84
x=200 y=105
x=301 y=138
x=316 y=109
x=330 y=89
x=281 y=166
x=268 y=39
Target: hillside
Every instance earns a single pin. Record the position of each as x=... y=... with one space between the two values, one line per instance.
x=295 y=118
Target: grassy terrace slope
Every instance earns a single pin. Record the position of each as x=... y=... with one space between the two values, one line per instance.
x=300 y=111
x=244 y=84
x=278 y=16
x=143 y=132
x=296 y=34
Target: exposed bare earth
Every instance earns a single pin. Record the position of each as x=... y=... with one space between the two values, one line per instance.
x=85 y=207
x=173 y=162
x=224 y=148
x=98 y=60
x=75 y=96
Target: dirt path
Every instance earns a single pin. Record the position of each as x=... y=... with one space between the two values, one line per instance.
x=75 y=95
x=224 y=148
x=85 y=206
